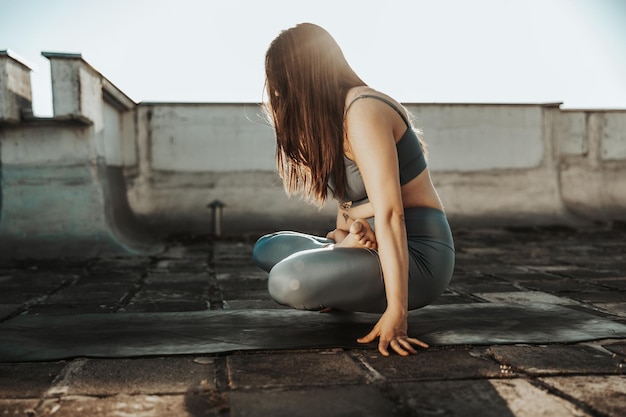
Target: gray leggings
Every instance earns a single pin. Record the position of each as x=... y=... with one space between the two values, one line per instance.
x=307 y=273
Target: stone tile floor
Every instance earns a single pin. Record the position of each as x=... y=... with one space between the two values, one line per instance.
x=580 y=268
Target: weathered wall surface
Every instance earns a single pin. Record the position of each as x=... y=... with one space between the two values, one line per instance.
x=15 y=89
x=592 y=163
x=63 y=192
x=193 y=154
x=492 y=164
x=161 y=164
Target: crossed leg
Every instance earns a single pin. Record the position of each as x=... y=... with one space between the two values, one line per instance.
x=341 y=271
x=348 y=279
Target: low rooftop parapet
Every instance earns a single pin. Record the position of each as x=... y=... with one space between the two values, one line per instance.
x=78 y=90
x=16 y=98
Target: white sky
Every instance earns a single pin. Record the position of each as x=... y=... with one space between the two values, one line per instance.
x=510 y=51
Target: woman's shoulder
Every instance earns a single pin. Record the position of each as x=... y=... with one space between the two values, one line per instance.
x=366 y=102
x=356 y=94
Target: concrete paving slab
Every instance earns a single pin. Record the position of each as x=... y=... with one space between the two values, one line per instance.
x=559 y=269
x=275 y=370
x=31 y=288
x=260 y=294
x=484 y=251
x=598 y=296
x=554 y=261
x=175 y=279
x=434 y=364
x=604 y=394
x=180 y=285
x=108 y=278
x=10 y=296
x=109 y=377
x=65 y=309
x=18 y=407
x=244 y=271
x=252 y=305
x=173 y=293
x=28 y=380
x=526 y=400
x=165 y=306
x=453 y=398
x=593 y=274
x=524 y=297
x=112 y=265
x=243 y=284
x=486 y=286
x=497 y=398
x=123 y=405
x=556 y=359
x=525 y=276
x=224 y=251
x=559 y=286
x=179 y=266
x=339 y=401
x=38 y=278
x=186 y=251
x=89 y=293
x=454 y=299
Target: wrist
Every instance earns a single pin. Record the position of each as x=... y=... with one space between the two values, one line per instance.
x=397 y=299
x=397 y=307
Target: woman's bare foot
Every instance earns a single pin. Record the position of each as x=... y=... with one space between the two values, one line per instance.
x=337 y=235
x=361 y=236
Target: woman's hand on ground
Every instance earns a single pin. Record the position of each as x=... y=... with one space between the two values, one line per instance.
x=391 y=331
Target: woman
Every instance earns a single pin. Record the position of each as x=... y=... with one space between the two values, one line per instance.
x=392 y=249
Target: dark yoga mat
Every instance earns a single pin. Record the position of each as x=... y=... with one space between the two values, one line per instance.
x=39 y=338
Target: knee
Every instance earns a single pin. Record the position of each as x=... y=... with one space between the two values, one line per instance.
x=261 y=254
x=285 y=286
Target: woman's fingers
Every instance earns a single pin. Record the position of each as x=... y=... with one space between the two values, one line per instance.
x=382 y=348
x=407 y=346
x=402 y=346
x=398 y=348
x=369 y=337
x=417 y=342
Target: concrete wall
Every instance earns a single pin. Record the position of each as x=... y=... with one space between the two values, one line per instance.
x=592 y=163
x=193 y=154
x=492 y=164
x=160 y=164
x=15 y=88
x=63 y=192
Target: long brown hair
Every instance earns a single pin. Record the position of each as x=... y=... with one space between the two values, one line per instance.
x=307 y=79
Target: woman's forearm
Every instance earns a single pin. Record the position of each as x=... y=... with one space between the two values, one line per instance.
x=362 y=211
x=394 y=257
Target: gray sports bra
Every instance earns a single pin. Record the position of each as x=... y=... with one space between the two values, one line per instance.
x=411 y=160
